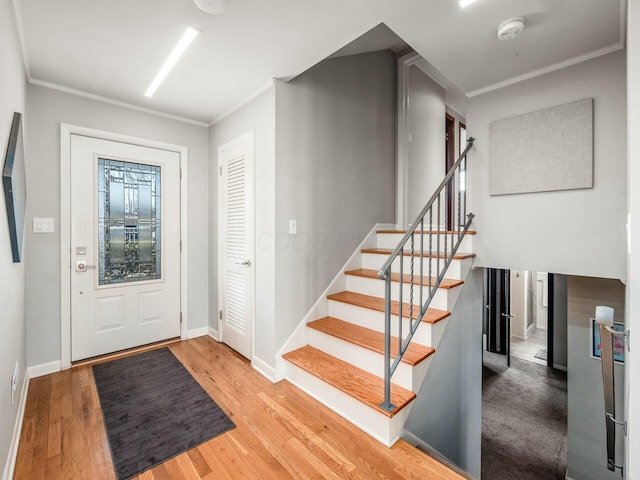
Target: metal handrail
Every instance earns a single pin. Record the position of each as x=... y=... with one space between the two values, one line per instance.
x=455 y=179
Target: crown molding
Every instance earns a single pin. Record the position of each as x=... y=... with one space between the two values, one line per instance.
x=100 y=98
x=543 y=71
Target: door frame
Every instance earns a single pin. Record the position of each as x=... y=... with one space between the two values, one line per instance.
x=251 y=243
x=66 y=130
x=404 y=130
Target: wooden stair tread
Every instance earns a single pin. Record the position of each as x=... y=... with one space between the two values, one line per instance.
x=426 y=232
x=369 y=339
x=353 y=381
x=387 y=251
x=395 y=277
x=433 y=315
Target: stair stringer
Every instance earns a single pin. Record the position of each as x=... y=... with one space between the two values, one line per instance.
x=320 y=309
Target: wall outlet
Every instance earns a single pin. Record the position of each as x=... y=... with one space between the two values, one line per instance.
x=293 y=227
x=14 y=384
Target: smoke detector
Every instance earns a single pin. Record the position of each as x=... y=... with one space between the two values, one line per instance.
x=214 y=7
x=510 y=29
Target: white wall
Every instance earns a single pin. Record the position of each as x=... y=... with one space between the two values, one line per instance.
x=426 y=162
x=258 y=116
x=633 y=260
x=13 y=346
x=586 y=434
x=574 y=232
x=48 y=108
x=335 y=174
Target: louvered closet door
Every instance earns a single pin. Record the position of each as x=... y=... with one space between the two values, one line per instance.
x=236 y=243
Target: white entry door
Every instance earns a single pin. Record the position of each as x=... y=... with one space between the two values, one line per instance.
x=236 y=244
x=125 y=246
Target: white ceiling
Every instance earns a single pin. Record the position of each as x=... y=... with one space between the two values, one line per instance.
x=114 y=48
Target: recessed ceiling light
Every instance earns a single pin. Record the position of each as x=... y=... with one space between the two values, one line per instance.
x=175 y=55
x=465 y=3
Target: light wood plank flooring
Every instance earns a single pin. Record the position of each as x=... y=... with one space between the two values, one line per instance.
x=281 y=433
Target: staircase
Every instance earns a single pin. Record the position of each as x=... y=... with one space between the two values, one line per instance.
x=365 y=347
x=342 y=362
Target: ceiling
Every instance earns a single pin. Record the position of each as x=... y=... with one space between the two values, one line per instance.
x=114 y=48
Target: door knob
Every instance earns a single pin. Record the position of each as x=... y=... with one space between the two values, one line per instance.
x=81 y=266
x=246 y=263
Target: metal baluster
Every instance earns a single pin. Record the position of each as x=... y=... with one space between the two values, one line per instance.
x=430 y=250
x=438 y=241
x=386 y=403
x=400 y=294
x=421 y=260
x=411 y=286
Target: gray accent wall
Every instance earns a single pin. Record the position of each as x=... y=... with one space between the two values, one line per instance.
x=335 y=174
x=257 y=116
x=579 y=232
x=447 y=411
x=13 y=343
x=426 y=159
x=586 y=435
x=46 y=109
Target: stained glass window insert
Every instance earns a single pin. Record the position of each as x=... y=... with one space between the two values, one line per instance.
x=128 y=222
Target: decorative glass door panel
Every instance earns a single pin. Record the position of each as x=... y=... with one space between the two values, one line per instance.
x=129 y=222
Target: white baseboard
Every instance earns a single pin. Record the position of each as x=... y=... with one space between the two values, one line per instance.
x=214 y=334
x=198 y=332
x=44 y=369
x=17 y=429
x=266 y=370
x=560 y=367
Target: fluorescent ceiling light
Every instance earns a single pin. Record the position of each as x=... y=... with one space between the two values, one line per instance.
x=177 y=52
x=466 y=3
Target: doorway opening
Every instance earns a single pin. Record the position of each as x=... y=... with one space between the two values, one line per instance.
x=524 y=398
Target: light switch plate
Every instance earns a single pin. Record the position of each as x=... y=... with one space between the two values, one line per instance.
x=43 y=225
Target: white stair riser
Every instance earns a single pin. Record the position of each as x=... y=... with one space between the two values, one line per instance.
x=384 y=429
x=427 y=333
x=444 y=298
x=391 y=240
x=457 y=270
x=365 y=359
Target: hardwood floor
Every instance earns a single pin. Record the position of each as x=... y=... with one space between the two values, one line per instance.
x=281 y=433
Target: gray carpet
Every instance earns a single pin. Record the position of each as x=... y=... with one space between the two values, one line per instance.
x=154 y=410
x=524 y=420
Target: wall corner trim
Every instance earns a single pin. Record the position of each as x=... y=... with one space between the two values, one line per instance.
x=10 y=465
x=213 y=333
x=266 y=370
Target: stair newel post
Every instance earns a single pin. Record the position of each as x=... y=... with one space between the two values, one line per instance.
x=386 y=403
